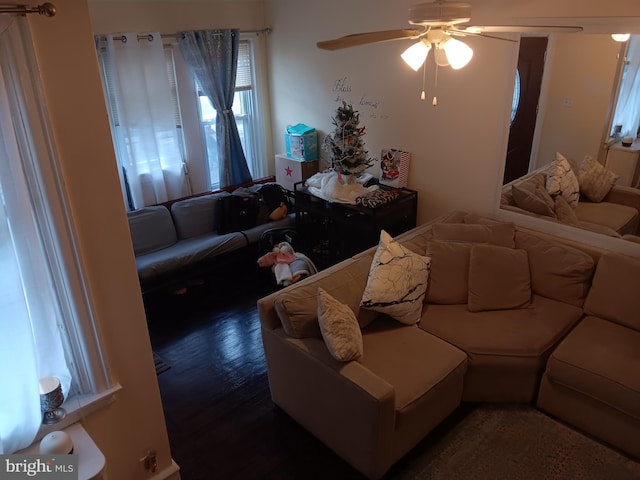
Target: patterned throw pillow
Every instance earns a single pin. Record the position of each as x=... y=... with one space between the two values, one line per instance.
x=397 y=281
x=562 y=181
x=339 y=328
x=595 y=180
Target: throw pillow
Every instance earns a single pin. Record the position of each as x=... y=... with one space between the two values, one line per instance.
x=339 y=328
x=565 y=213
x=558 y=271
x=499 y=278
x=397 y=281
x=449 y=273
x=498 y=234
x=562 y=181
x=536 y=200
x=595 y=180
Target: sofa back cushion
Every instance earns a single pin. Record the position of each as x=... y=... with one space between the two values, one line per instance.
x=297 y=306
x=615 y=292
x=498 y=234
x=151 y=229
x=448 y=279
x=196 y=216
x=558 y=271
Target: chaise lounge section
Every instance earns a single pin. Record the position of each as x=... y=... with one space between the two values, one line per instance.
x=470 y=345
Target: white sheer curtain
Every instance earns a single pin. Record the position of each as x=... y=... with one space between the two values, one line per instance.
x=628 y=106
x=143 y=118
x=30 y=320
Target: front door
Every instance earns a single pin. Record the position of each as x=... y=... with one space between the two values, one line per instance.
x=530 y=69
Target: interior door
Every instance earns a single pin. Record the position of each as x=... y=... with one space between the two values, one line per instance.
x=530 y=69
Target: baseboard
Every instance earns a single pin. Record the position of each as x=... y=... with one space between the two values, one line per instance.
x=172 y=472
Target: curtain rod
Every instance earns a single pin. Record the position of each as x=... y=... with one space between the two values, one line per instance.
x=47 y=9
x=149 y=36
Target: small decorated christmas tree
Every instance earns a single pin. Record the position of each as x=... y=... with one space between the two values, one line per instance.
x=348 y=155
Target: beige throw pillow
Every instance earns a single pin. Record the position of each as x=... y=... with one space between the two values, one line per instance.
x=565 y=213
x=595 y=180
x=339 y=328
x=562 y=181
x=449 y=273
x=499 y=278
x=536 y=200
x=397 y=281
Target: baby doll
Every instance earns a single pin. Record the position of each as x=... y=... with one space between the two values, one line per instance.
x=279 y=259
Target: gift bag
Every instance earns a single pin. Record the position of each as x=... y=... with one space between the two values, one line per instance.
x=394 y=167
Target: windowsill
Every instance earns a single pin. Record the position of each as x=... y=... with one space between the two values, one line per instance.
x=79 y=407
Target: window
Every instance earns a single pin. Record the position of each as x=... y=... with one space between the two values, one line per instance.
x=245 y=113
x=45 y=316
x=195 y=118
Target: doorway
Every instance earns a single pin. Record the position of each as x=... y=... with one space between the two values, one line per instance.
x=525 y=110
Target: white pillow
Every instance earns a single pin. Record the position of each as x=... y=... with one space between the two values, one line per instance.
x=397 y=281
x=339 y=327
x=595 y=180
x=562 y=181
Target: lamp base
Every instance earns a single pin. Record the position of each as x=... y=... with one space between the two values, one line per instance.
x=53 y=416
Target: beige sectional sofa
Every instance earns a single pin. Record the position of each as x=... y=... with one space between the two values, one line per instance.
x=481 y=336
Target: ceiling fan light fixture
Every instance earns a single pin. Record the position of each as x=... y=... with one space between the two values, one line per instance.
x=440 y=55
x=620 y=37
x=458 y=53
x=416 y=54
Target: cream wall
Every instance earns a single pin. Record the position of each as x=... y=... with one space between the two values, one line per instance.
x=581 y=76
x=69 y=70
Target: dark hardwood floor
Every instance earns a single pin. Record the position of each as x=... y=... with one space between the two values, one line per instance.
x=220 y=418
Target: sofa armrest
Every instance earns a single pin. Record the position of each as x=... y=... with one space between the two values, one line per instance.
x=345 y=405
x=625 y=196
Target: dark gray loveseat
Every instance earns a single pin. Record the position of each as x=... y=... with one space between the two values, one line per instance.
x=171 y=242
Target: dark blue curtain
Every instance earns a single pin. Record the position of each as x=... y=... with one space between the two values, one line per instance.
x=212 y=56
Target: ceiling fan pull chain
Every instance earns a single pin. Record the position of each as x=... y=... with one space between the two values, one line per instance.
x=434 y=102
x=424 y=76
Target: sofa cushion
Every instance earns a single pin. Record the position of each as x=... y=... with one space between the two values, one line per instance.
x=525 y=332
x=564 y=212
x=196 y=216
x=561 y=180
x=557 y=271
x=535 y=200
x=297 y=306
x=397 y=281
x=151 y=229
x=595 y=180
x=600 y=359
x=449 y=275
x=497 y=234
x=339 y=328
x=186 y=253
x=411 y=360
x=615 y=291
x=621 y=218
x=498 y=278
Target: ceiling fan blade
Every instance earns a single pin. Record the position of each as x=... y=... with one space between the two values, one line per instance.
x=524 y=29
x=357 y=39
x=463 y=32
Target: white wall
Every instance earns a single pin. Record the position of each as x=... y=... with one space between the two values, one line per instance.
x=580 y=71
x=69 y=70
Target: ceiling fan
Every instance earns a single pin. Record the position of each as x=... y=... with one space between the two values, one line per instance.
x=435 y=24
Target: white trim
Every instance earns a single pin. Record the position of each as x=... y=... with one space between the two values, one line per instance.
x=172 y=472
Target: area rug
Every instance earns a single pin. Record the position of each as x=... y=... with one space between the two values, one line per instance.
x=515 y=442
x=161 y=366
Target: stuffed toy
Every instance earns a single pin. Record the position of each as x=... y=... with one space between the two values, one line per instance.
x=279 y=260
